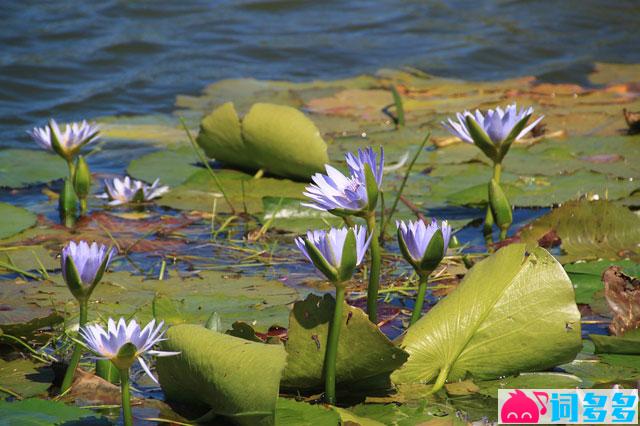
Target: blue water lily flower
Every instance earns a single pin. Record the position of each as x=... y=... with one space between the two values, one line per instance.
x=83 y=266
x=107 y=343
x=127 y=190
x=65 y=143
x=347 y=195
x=418 y=244
x=331 y=243
x=424 y=247
x=496 y=127
x=356 y=164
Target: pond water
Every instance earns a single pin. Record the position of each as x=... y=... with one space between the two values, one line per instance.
x=84 y=59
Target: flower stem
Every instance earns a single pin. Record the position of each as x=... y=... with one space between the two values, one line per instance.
x=374 y=272
x=331 y=353
x=126 y=397
x=83 y=206
x=72 y=168
x=77 y=350
x=488 y=219
x=417 y=308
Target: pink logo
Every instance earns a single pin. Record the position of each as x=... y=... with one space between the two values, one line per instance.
x=519 y=408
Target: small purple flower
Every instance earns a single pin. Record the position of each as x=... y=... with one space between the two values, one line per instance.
x=340 y=194
x=496 y=123
x=416 y=237
x=127 y=190
x=107 y=343
x=357 y=162
x=74 y=137
x=89 y=261
x=331 y=244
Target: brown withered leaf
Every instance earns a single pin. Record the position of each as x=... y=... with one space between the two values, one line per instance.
x=622 y=293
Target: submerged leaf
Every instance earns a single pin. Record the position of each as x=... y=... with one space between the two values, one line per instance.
x=512 y=313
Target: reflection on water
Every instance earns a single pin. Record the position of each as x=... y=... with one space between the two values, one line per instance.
x=76 y=59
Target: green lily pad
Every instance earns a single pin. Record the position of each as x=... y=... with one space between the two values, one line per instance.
x=20 y=316
x=594 y=372
x=14 y=219
x=28 y=258
x=24 y=167
x=505 y=305
x=590 y=230
x=628 y=361
x=42 y=412
x=253 y=299
x=276 y=138
x=287 y=214
x=24 y=378
x=200 y=190
x=172 y=166
x=587 y=276
x=622 y=345
x=422 y=413
x=233 y=377
x=529 y=381
x=363 y=351
x=297 y=413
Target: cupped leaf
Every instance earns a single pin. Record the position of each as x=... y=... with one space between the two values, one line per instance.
x=221 y=138
x=513 y=312
x=283 y=141
x=363 y=351
x=233 y=377
x=14 y=220
x=276 y=138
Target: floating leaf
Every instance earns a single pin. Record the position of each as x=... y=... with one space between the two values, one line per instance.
x=294 y=413
x=287 y=214
x=363 y=351
x=594 y=372
x=235 y=297
x=529 y=381
x=23 y=167
x=36 y=412
x=233 y=377
x=14 y=219
x=22 y=316
x=200 y=190
x=24 y=377
x=590 y=230
x=172 y=167
x=587 y=276
x=506 y=305
x=621 y=345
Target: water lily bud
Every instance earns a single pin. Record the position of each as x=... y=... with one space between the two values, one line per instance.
x=68 y=204
x=82 y=178
x=337 y=252
x=500 y=207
